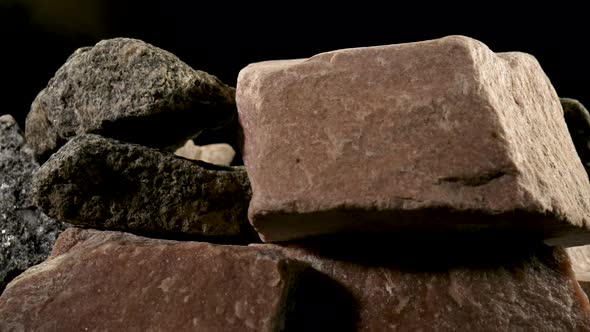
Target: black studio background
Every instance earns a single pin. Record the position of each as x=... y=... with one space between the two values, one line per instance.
x=37 y=36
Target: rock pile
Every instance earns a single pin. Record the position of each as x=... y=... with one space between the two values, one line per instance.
x=26 y=234
x=401 y=187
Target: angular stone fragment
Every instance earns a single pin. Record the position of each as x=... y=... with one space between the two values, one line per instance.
x=578 y=123
x=107 y=184
x=580 y=258
x=26 y=234
x=129 y=90
x=475 y=288
x=435 y=136
x=111 y=281
x=218 y=154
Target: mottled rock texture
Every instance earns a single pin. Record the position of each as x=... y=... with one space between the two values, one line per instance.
x=580 y=258
x=451 y=288
x=103 y=183
x=111 y=281
x=26 y=234
x=129 y=90
x=578 y=123
x=436 y=136
x=218 y=154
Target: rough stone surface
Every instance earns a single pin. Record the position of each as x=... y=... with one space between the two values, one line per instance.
x=129 y=90
x=578 y=123
x=218 y=154
x=580 y=258
x=441 y=136
x=442 y=288
x=108 y=184
x=111 y=281
x=26 y=234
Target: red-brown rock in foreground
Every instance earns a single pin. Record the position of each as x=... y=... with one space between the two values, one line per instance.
x=454 y=289
x=111 y=281
x=441 y=135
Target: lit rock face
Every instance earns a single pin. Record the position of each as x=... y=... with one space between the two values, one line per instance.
x=103 y=183
x=477 y=287
x=111 y=281
x=129 y=90
x=218 y=154
x=26 y=234
x=436 y=136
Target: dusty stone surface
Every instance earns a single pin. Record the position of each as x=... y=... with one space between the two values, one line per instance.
x=218 y=154
x=442 y=288
x=578 y=123
x=112 y=281
x=26 y=234
x=103 y=183
x=442 y=136
x=580 y=258
x=129 y=90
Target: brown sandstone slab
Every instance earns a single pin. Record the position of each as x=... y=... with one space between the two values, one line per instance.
x=409 y=288
x=436 y=136
x=111 y=281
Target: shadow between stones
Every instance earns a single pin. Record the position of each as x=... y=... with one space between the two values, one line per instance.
x=320 y=303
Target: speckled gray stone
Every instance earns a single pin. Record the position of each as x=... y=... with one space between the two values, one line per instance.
x=26 y=234
x=108 y=184
x=130 y=90
x=439 y=136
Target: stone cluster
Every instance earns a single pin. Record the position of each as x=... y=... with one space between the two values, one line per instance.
x=419 y=186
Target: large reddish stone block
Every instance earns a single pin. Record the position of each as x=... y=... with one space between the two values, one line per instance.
x=112 y=281
x=436 y=136
x=438 y=288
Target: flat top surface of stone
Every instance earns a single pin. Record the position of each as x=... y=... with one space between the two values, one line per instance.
x=120 y=282
x=445 y=123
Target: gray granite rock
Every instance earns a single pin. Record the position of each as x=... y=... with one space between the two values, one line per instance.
x=26 y=234
x=440 y=136
x=578 y=123
x=108 y=184
x=129 y=90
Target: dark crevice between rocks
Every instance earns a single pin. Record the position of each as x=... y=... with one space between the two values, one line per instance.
x=247 y=237
x=317 y=302
x=10 y=275
x=474 y=181
x=445 y=225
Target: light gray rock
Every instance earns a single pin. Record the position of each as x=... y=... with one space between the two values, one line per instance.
x=129 y=90
x=103 y=183
x=218 y=154
x=440 y=136
x=26 y=234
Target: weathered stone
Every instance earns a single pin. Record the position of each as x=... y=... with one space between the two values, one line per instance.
x=435 y=136
x=26 y=234
x=446 y=288
x=580 y=258
x=218 y=154
x=129 y=90
x=108 y=184
x=111 y=281
x=578 y=123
